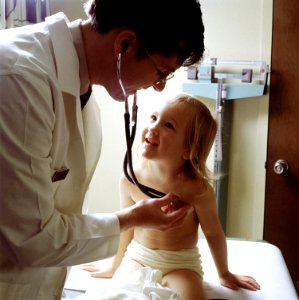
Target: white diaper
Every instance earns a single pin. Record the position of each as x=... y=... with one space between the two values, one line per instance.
x=165 y=260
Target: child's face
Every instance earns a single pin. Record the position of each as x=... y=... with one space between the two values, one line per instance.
x=164 y=137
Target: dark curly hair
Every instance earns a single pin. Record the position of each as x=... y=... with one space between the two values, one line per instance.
x=167 y=27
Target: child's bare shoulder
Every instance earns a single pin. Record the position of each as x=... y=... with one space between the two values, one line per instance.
x=202 y=191
x=137 y=171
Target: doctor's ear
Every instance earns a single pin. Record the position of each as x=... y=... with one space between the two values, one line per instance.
x=124 y=45
x=124 y=41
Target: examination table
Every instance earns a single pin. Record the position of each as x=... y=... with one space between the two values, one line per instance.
x=258 y=259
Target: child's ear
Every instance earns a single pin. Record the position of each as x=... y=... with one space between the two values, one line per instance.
x=186 y=154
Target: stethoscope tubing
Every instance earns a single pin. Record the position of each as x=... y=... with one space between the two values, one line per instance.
x=130 y=136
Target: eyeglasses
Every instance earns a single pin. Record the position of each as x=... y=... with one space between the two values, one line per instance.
x=164 y=76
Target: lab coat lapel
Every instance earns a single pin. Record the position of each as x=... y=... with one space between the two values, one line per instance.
x=67 y=67
x=67 y=64
x=84 y=125
x=93 y=135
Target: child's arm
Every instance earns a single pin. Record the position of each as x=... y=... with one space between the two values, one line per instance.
x=218 y=247
x=107 y=271
x=125 y=236
x=206 y=210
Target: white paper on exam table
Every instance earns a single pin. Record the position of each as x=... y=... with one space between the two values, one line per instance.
x=261 y=260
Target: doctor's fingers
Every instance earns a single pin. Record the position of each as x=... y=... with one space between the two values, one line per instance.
x=175 y=218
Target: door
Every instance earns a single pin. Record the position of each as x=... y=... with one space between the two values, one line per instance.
x=281 y=226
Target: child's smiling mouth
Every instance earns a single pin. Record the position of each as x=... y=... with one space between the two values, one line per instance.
x=151 y=139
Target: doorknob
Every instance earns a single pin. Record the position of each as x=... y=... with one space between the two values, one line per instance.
x=280 y=167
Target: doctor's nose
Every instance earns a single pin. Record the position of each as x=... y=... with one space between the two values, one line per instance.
x=159 y=85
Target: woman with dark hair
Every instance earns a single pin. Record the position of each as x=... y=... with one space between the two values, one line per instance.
x=51 y=132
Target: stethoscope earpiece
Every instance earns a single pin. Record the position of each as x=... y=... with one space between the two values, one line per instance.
x=124 y=46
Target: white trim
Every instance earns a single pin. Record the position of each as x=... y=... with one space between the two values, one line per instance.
x=2 y=14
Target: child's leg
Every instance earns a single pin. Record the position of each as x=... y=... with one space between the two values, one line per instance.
x=126 y=268
x=186 y=283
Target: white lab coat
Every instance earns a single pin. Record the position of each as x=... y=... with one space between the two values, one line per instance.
x=43 y=131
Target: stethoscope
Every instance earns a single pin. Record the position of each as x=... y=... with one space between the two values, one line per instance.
x=130 y=136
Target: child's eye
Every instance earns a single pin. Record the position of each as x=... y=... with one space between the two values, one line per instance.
x=169 y=125
x=153 y=118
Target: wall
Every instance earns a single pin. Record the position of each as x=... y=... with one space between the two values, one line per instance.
x=72 y=8
x=243 y=31
x=235 y=30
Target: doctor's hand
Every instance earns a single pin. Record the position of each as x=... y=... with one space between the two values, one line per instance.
x=156 y=213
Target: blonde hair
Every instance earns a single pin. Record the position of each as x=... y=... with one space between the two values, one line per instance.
x=200 y=134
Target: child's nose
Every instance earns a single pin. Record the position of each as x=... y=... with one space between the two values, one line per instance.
x=153 y=128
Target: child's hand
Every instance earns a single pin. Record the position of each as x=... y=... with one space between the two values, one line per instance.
x=97 y=272
x=235 y=282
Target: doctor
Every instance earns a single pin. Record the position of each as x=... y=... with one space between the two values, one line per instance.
x=50 y=141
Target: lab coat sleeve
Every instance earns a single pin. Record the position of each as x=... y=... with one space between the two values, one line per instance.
x=32 y=231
